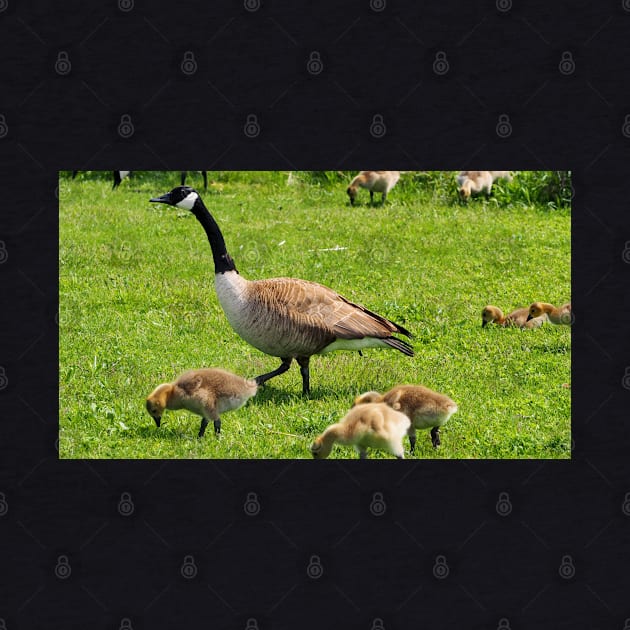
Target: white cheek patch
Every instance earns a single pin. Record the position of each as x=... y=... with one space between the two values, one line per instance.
x=188 y=202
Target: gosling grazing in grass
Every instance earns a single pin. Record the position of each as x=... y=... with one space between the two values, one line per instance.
x=287 y=317
x=424 y=407
x=374 y=181
x=374 y=425
x=561 y=315
x=519 y=318
x=477 y=182
x=207 y=392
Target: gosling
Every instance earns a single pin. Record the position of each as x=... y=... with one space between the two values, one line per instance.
x=560 y=316
x=374 y=181
x=207 y=392
x=366 y=426
x=518 y=318
x=477 y=182
x=424 y=407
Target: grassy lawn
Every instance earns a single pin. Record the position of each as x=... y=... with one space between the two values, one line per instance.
x=138 y=307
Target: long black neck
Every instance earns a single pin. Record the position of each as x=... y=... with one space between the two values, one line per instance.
x=222 y=260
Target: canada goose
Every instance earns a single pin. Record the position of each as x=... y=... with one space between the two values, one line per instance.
x=477 y=182
x=374 y=425
x=424 y=407
x=561 y=315
x=520 y=317
x=118 y=177
x=207 y=392
x=286 y=317
x=374 y=181
x=204 y=174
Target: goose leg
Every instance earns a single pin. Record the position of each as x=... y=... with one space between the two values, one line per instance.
x=384 y=199
x=202 y=429
x=372 y=197
x=217 y=427
x=412 y=440
x=303 y=363
x=284 y=366
x=362 y=453
x=435 y=436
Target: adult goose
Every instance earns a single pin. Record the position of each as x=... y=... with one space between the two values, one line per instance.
x=286 y=317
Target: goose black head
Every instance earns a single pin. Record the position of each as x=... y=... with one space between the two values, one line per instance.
x=181 y=197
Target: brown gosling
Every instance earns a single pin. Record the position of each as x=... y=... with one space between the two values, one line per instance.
x=518 y=318
x=374 y=181
x=560 y=316
x=367 y=426
x=207 y=392
x=424 y=407
x=477 y=182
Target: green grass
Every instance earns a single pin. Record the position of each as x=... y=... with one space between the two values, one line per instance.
x=138 y=307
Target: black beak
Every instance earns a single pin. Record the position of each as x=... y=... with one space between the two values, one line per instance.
x=483 y=323
x=157 y=420
x=163 y=199
x=529 y=316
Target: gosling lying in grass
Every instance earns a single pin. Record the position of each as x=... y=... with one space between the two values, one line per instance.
x=561 y=315
x=207 y=392
x=424 y=407
x=366 y=426
x=476 y=182
x=518 y=318
x=374 y=181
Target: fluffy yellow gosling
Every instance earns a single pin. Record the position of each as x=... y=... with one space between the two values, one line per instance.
x=561 y=315
x=374 y=425
x=424 y=407
x=476 y=182
x=207 y=392
x=374 y=181
x=520 y=318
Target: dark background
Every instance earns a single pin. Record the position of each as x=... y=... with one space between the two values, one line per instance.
x=557 y=558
